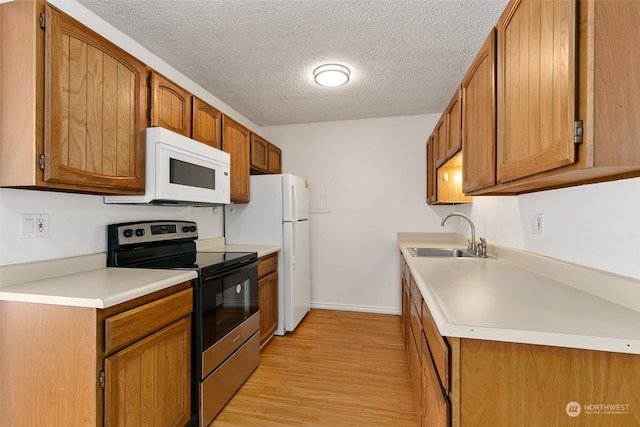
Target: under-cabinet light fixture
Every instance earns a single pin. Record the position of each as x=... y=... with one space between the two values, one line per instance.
x=331 y=75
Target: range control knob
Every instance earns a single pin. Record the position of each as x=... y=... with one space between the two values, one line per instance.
x=192 y=228
x=139 y=232
x=185 y=229
x=128 y=232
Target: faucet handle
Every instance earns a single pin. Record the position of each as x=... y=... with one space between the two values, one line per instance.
x=482 y=249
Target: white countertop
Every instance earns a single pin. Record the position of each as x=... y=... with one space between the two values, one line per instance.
x=100 y=288
x=84 y=281
x=218 y=244
x=500 y=299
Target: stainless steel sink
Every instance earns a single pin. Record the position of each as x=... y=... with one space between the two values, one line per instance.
x=440 y=252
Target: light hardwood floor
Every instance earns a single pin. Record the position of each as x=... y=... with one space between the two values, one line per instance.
x=337 y=369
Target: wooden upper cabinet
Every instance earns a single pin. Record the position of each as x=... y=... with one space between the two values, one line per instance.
x=206 y=124
x=275 y=159
x=170 y=105
x=265 y=157
x=431 y=171
x=236 y=142
x=79 y=123
x=259 y=153
x=536 y=87
x=94 y=111
x=479 y=119
x=440 y=141
x=454 y=124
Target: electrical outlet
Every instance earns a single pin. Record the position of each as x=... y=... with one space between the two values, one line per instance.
x=34 y=225
x=537 y=224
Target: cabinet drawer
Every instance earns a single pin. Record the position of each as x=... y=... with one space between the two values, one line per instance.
x=416 y=326
x=416 y=296
x=132 y=325
x=267 y=265
x=439 y=347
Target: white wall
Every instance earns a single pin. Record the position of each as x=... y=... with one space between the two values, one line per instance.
x=77 y=223
x=375 y=171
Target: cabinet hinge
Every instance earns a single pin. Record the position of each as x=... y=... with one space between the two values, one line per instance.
x=43 y=21
x=149 y=82
x=41 y=160
x=149 y=114
x=101 y=379
x=577 y=132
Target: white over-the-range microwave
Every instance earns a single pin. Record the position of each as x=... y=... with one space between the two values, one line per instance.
x=181 y=171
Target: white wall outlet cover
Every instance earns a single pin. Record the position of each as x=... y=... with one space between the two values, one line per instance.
x=537 y=224
x=34 y=225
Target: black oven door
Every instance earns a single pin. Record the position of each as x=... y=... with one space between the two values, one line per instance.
x=226 y=300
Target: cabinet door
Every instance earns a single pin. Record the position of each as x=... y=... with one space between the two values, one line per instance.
x=206 y=126
x=268 y=305
x=235 y=141
x=94 y=109
x=435 y=409
x=479 y=119
x=275 y=159
x=170 y=105
x=440 y=141
x=149 y=382
x=454 y=125
x=431 y=171
x=259 y=153
x=536 y=87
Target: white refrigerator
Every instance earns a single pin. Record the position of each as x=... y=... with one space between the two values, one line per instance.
x=278 y=214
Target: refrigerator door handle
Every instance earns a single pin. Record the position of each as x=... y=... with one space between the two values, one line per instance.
x=293 y=245
x=294 y=200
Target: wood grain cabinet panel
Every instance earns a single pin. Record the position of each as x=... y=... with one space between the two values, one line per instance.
x=454 y=125
x=170 y=105
x=236 y=142
x=80 y=123
x=440 y=140
x=561 y=64
x=479 y=119
x=265 y=157
x=268 y=298
x=58 y=367
x=206 y=124
x=435 y=404
x=275 y=159
x=259 y=153
x=149 y=382
x=432 y=179
x=536 y=87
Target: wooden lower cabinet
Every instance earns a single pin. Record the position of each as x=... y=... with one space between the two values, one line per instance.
x=435 y=405
x=463 y=382
x=129 y=364
x=268 y=298
x=149 y=381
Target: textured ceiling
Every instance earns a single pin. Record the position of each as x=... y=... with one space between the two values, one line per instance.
x=406 y=56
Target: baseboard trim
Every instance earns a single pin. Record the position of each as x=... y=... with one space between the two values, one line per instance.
x=360 y=308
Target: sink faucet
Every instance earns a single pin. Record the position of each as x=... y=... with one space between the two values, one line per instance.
x=473 y=247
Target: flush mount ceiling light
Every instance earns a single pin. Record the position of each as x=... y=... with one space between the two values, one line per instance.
x=331 y=75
